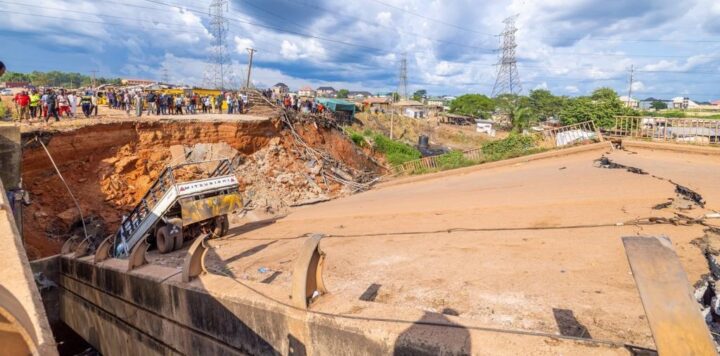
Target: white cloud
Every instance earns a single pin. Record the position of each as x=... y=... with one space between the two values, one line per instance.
x=384 y=18
x=307 y=49
x=242 y=44
x=638 y=87
x=572 y=89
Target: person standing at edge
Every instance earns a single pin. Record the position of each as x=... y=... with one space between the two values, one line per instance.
x=86 y=103
x=34 y=104
x=52 y=105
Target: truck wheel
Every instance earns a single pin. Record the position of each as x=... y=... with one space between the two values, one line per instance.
x=175 y=231
x=221 y=226
x=164 y=242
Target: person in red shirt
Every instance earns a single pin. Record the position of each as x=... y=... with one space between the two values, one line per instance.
x=23 y=102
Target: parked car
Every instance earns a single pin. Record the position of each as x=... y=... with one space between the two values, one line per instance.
x=6 y=92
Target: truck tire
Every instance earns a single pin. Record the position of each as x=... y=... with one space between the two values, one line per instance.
x=165 y=243
x=221 y=226
x=175 y=231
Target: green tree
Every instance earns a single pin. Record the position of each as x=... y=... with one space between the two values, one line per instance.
x=604 y=93
x=544 y=104
x=343 y=93
x=658 y=105
x=521 y=119
x=395 y=97
x=419 y=95
x=601 y=107
x=476 y=105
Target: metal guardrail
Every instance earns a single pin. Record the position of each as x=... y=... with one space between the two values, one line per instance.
x=694 y=131
x=570 y=134
x=431 y=162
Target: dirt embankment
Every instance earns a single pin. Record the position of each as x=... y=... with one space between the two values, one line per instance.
x=110 y=166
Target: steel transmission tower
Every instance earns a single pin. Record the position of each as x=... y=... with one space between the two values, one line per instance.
x=219 y=73
x=402 y=84
x=508 y=79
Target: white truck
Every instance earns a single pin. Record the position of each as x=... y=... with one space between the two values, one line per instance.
x=186 y=200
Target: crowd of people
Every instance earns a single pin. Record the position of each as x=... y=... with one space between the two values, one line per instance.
x=156 y=103
x=292 y=102
x=48 y=103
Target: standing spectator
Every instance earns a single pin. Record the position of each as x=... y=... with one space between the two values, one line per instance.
x=178 y=105
x=86 y=104
x=63 y=104
x=72 y=99
x=23 y=102
x=151 y=102
x=126 y=102
x=218 y=103
x=52 y=106
x=35 y=104
x=43 y=102
x=94 y=104
x=138 y=104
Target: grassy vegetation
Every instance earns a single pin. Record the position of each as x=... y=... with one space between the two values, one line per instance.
x=454 y=159
x=510 y=147
x=3 y=110
x=395 y=152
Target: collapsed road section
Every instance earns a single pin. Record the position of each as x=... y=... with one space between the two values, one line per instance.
x=110 y=166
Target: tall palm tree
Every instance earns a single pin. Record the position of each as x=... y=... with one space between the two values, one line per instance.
x=521 y=119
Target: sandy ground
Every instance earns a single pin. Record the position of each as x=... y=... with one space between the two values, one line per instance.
x=528 y=270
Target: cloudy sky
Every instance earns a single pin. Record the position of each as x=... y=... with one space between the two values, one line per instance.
x=567 y=46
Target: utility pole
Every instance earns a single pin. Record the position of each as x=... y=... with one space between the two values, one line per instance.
x=632 y=78
x=508 y=79
x=251 y=51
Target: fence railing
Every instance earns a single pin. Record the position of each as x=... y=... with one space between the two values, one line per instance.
x=432 y=162
x=695 y=131
x=571 y=134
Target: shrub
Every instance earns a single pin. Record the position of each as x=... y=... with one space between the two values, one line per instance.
x=509 y=147
x=453 y=159
x=395 y=152
x=358 y=139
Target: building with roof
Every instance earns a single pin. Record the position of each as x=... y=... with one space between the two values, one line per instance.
x=327 y=92
x=280 y=89
x=411 y=108
x=630 y=102
x=137 y=82
x=715 y=103
x=376 y=104
x=359 y=95
x=307 y=92
x=680 y=102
